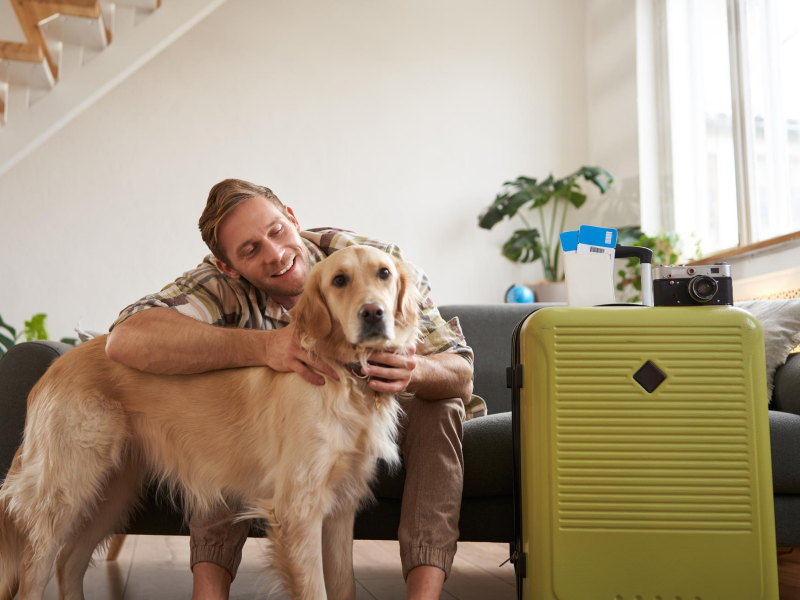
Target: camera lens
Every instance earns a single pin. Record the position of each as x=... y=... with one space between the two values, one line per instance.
x=702 y=288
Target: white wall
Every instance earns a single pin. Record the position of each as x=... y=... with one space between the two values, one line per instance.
x=612 y=110
x=771 y=260
x=397 y=120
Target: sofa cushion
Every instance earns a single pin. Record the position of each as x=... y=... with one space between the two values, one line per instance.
x=784 y=431
x=780 y=322
x=20 y=368
x=786 y=396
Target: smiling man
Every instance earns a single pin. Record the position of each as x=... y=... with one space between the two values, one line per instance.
x=233 y=311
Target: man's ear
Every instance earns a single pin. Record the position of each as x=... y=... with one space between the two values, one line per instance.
x=311 y=314
x=409 y=297
x=227 y=270
x=292 y=217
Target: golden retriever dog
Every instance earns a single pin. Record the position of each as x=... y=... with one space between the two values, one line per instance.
x=297 y=455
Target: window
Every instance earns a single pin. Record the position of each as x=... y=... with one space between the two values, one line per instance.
x=731 y=109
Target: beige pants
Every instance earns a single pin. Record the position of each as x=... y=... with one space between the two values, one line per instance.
x=430 y=442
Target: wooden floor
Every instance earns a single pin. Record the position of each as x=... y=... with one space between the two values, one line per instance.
x=789 y=575
x=158 y=567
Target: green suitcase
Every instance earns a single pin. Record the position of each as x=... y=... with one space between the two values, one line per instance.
x=643 y=455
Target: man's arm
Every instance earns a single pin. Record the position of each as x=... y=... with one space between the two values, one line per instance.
x=441 y=376
x=431 y=377
x=163 y=341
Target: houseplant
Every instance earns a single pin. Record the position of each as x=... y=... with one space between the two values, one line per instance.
x=33 y=330
x=668 y=249
x=528 y=195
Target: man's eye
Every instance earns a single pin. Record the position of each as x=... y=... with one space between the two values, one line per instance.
x=250 y=252
x=277 y=231
x=384 y=273
x=339 y=281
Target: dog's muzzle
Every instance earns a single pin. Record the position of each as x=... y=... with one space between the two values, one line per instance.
x=373 y=323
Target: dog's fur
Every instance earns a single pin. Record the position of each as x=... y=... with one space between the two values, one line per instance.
x=299 y=456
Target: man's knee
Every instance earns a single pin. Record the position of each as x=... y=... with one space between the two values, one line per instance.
x=438 y=413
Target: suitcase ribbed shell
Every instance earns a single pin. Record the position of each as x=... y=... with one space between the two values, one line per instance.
x=630 y=494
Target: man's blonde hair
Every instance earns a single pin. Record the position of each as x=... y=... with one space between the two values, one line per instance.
x=223 y=198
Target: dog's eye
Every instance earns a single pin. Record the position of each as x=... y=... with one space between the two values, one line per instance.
x=339 y=281
x=384 y=273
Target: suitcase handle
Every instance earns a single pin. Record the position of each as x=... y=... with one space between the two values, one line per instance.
x=645 y=256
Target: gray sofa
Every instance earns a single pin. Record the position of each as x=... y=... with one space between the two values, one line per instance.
x=487 y=507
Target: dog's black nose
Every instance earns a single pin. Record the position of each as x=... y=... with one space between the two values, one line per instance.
x=371 y=313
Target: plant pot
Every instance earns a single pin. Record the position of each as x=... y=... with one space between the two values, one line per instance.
x=549 y=291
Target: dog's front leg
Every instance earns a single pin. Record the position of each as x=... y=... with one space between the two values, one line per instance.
x=337 y=554
x=296 y=554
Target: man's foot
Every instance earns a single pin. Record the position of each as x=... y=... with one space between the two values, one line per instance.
x=211 y=582
x=424 y=583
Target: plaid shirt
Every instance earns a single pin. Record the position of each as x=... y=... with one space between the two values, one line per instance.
x=208 y=295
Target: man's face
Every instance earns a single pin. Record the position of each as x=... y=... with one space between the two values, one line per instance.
x=264 y=247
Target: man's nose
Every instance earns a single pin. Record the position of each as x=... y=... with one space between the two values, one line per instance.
x=273 y=253
x=371 y=313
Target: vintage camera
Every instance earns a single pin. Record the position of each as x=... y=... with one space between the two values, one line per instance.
x=697 y=285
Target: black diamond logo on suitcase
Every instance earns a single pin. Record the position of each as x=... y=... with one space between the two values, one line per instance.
x=649 y=377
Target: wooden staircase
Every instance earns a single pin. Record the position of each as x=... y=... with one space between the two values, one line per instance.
x=65 y=55
x=62 y=36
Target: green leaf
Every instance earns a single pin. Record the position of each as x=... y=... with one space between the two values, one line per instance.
x=522 y=181
x=35 y=329
x=577 y=199
x=6 y=341
x=491 y=216
x=5 y=325
x=515 y=202
x=629 y=235
x=523 y=246
x=70 y=341
x=599 y=177
x=506 y=205
x=540 y=200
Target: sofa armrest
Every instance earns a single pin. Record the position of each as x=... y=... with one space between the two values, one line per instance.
x=786 y=396
x=20 y=369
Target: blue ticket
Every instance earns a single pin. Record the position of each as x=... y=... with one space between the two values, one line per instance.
x=600 y=240
x=569 y=242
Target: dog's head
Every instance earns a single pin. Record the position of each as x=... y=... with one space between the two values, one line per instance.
x=359 y=297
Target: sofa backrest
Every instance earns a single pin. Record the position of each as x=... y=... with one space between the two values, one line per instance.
x=488 y=329
x=786 y=396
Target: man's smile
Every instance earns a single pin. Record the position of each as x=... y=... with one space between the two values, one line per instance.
x=286 y=270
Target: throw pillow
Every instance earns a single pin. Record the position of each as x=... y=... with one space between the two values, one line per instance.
x=780 y=320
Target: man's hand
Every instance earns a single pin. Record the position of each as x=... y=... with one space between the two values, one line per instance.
x=283 y=353
x=394 y=371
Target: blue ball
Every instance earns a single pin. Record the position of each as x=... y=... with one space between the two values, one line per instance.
x=519 y=294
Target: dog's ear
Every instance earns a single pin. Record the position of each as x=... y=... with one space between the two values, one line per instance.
x=409 y=297
x=311 y=314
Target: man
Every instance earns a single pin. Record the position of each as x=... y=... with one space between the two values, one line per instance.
x=238 y=301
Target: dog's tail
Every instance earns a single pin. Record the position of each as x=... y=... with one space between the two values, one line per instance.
x=12 y=542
